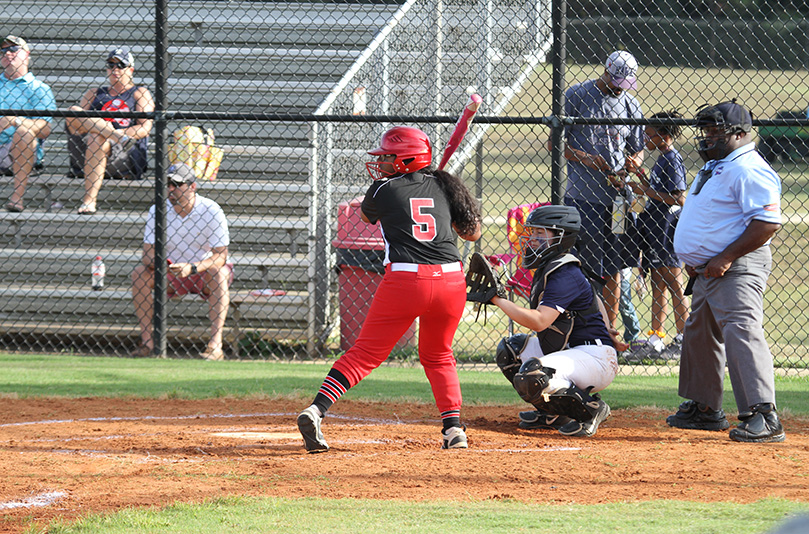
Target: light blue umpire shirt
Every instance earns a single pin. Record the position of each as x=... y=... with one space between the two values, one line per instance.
x=739 y=188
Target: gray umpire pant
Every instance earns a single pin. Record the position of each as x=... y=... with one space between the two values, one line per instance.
x=726 y=326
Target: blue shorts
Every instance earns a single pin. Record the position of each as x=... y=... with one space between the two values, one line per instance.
x=600 y=251
x=657 y=240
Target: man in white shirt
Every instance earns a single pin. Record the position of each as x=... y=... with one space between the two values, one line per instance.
x=197 y=250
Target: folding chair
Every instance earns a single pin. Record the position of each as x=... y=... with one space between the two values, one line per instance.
x=519 y=279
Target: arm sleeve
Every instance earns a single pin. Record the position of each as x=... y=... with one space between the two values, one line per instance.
x=760 y=196
x=368 y=206
x=220 y=235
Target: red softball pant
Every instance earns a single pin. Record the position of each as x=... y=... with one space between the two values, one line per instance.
x=438 y=299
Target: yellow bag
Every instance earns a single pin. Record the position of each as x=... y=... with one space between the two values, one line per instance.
x=195 y=147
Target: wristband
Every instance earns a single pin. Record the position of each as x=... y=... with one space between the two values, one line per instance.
x=194 y=268
x=18 y=121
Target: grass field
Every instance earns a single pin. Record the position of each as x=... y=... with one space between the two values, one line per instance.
x=50 y=376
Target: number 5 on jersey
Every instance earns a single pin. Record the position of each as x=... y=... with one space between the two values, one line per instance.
x=424 y=229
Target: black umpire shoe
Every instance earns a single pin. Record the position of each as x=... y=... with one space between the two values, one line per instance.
x=695 y=416
x=535 y=419
x=759 y=425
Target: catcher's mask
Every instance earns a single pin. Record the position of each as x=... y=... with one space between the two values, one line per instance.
x=562 y=224
x=721 y=120
x=410 y=146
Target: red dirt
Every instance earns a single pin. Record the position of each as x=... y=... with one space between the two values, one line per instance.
x=107 y=454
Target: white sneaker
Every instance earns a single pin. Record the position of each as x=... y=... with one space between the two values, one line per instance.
x=454 y=438
x=309 y=426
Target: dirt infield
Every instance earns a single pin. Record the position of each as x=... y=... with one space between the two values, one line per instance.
x=71 y=457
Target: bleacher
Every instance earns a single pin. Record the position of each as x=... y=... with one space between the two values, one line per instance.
x=278 y=180
x=236 y=57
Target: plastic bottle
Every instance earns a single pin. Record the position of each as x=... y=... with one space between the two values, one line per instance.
x=98 y=271
x=618 y=214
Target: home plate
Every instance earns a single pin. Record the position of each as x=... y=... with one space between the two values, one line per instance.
x=258 y=435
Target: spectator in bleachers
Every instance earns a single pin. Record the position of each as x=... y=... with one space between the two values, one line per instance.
x=21 y=137
x=106 y=147
x=197 y=250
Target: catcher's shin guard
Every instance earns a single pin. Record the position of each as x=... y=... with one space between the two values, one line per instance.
x=508 y=353
x=532 y=380
x=574 y=402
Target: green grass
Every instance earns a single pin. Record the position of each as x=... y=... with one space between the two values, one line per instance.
x=33 y=375
x=243 y=515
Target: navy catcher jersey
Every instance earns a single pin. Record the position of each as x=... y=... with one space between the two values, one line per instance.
x=415 y=216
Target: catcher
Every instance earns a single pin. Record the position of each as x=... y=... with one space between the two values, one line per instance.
x=572 y=353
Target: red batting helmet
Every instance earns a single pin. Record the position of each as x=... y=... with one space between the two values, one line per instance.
x=411 y=147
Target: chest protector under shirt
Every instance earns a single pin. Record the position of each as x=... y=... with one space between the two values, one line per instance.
x=555 y=337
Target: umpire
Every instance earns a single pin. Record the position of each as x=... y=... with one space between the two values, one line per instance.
x=731 y=213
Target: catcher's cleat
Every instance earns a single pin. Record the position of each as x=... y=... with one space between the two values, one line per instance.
x=759 y=425
x=585 y=429
x=454 y=438
x=309 y=426
x=536 y=420
x=692 y=415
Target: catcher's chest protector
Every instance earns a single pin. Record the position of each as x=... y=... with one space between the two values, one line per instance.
x=555 y=337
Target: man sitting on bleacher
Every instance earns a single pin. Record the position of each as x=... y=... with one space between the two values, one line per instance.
x=197 y=241
x=21 y=137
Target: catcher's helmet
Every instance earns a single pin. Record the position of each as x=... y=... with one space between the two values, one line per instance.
x=563 y=221
x=729 y=118
x=411 y=147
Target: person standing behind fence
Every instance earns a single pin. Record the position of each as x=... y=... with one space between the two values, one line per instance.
x=732 y=211
x=21 y=138
x=197 y=240
x=422 y=212
x=106 y=147
x=665 y=189
x=594 y=152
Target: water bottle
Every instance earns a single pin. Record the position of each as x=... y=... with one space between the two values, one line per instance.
x=98 y=271
x=618 y=214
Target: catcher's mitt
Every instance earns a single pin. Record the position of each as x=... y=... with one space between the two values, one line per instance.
x=482 y=281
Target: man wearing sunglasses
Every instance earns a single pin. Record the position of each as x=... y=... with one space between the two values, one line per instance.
x=107 y=147
x=21 y=137
x=732 y=211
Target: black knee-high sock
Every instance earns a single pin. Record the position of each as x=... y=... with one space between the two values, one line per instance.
x=334 y=386
x=451 y=418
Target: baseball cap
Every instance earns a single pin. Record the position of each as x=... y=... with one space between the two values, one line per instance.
x=123 y=55
x=623 y=68
x=734 y=117
x=180 y=174
x=18 y=41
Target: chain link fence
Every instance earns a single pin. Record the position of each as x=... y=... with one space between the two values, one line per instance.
x=295 y=93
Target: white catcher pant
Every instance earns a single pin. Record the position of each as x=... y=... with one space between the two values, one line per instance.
x=582 y=366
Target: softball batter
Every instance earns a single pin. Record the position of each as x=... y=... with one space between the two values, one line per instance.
x=422 y=211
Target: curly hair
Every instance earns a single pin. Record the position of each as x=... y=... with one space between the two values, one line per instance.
x=464 y=208
x=670 y=130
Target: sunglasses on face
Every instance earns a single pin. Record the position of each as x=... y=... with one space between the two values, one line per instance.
x=115 y=65
x=12 y=49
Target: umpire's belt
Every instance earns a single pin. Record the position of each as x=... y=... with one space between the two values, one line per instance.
x=414 y=267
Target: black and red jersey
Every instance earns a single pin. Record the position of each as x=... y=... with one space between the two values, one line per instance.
x=415 y=217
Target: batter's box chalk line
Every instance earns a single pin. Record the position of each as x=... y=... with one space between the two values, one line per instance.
x=43 y=499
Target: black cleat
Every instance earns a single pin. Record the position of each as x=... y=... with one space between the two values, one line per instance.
x=759 y=425
x=537 y=420
x=695 y=416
